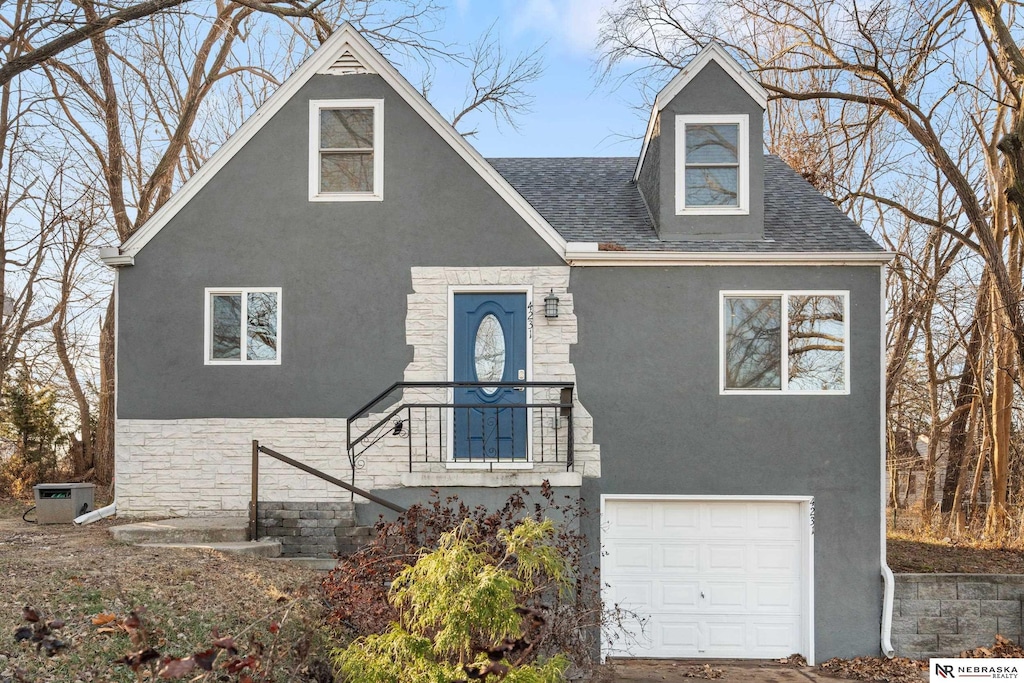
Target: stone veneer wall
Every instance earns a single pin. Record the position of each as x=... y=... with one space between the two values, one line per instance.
x=202 y=466
x=311 y=529
x=941 y=615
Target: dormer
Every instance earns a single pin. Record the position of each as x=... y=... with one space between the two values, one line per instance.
x=701 y=169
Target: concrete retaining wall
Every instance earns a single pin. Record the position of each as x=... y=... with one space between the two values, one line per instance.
x=941 y=615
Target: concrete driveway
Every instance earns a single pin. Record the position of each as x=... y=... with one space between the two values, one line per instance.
x=733 y=671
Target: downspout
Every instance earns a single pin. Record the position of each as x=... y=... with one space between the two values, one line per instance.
x=112 y=258
x=97 y=514
x=888 y=580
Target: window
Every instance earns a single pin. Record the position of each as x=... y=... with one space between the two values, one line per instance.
x=346 y=150
x=785 y=342
x=712 y=176
x=243 y=326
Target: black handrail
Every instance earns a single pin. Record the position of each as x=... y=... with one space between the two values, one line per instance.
x=403 y=424
x=254 y=504
x=363 y=411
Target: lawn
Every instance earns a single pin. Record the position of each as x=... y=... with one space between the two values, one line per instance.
x=79 y=575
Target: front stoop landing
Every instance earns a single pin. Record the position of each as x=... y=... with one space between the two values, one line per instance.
x=224 y=534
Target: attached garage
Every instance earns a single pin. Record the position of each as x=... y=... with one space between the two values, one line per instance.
x=728 y=577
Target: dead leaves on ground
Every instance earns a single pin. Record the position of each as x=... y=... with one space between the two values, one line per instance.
x=1003 y=647
x=168 y=667
x=896 y=670
x=40 y=631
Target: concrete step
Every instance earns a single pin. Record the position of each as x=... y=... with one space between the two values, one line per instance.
x=184 y=530
x=256 y=548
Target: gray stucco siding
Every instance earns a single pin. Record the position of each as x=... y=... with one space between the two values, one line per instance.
x=711 y=92
x=343 y=268
x=647 y=364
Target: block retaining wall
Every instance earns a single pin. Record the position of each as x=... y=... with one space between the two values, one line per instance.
x=941 y=615
x=311 y=529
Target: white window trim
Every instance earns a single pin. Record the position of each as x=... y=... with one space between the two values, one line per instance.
x=807 y=512
x=742 y=155
x=451 y=462
x=209 y=293
x=315 y=195
x=784 y=390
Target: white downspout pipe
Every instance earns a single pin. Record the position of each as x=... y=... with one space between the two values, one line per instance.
x=888 y=580
x=97 y=514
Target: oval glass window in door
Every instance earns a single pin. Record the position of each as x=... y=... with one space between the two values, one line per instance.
x=489 y=351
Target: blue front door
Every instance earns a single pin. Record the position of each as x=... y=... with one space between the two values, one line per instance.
x=490 y=346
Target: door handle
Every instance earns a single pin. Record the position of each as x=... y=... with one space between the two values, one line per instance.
x=521 y=375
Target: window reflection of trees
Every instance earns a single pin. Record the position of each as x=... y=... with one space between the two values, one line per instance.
x=489 y=351
x=712 y=165
x=227 y=325
x=753 y=343
x=262 y=326
x=346 y=150
x=816 y=343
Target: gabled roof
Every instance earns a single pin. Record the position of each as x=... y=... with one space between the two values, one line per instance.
x=595 y=200
x=344 y=52
x=713 y=52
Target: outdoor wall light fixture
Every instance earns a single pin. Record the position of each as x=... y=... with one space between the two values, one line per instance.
x=551 y=305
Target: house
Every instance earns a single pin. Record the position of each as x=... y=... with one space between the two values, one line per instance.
x=689 y=339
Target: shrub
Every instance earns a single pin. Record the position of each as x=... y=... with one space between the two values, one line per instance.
x=461 y=613
x=552 y=583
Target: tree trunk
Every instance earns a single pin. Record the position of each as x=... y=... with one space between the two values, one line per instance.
x=1002 y=414
x=104 y=450
x=82 y=453
x=959 y=429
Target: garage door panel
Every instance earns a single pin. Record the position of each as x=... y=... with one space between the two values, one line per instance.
x=777 y=521
x=731 y=558
x=679 y=596
x=629 y=520
x=776 y=559
x=727 y=596
x=708 y=578
x=631 y=556
x=680 y=518
x=727 y=520
x=775 y=597
x=773 y=638
x=681 y=557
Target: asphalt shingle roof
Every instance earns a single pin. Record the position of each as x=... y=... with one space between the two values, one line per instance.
x=594 y=199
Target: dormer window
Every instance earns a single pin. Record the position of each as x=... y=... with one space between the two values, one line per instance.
x=346 y=150
x=712 y=175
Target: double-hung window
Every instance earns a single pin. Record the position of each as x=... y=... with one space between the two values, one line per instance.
x=243 y=326
x=785 y=342
x=712 y=172
x=346 y=150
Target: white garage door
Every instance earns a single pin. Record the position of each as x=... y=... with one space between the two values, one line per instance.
x=722 y=578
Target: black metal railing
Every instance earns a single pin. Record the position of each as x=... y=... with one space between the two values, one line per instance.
x=441 y=425
x=258 y=449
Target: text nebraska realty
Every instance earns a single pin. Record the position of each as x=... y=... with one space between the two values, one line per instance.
x=951 y=671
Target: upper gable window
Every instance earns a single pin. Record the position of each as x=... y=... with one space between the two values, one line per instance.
x=712 y=168
x=346 y=156
x=785 y=342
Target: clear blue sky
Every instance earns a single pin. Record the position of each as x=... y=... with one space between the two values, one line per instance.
x=571 y=115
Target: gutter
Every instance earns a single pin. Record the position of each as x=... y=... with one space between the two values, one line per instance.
x=589 y=254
